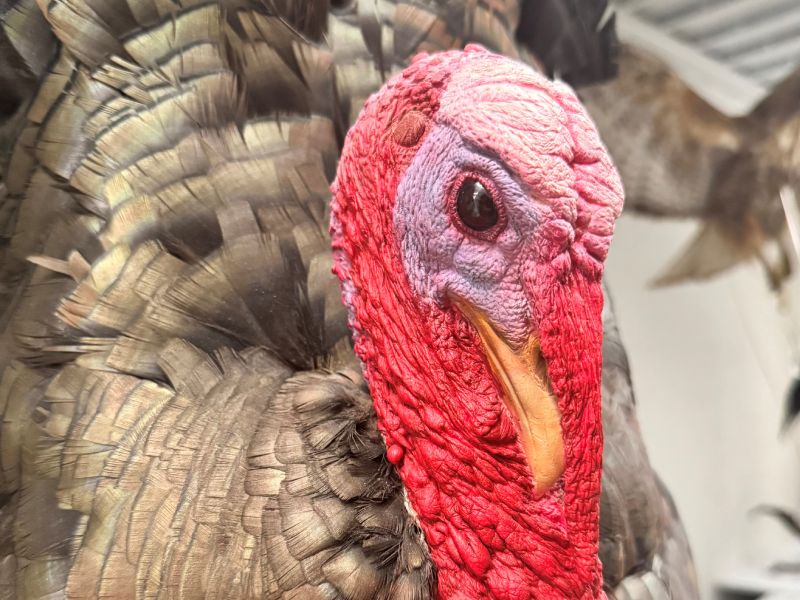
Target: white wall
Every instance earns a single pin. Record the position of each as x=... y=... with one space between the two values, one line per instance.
x=710 y=365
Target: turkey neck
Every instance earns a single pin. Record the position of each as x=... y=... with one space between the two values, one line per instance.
x=456 y=449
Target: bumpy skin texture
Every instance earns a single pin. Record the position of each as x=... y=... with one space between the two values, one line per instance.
x=401 y=258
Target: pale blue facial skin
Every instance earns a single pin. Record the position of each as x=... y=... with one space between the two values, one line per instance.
x=440 y=259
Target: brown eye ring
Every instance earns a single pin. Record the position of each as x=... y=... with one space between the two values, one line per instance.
x=474 y=208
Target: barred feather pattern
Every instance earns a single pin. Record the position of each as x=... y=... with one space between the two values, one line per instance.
x=182 y=413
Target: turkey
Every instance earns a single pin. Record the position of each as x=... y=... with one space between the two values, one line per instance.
x=680 y=157
x=183 y=412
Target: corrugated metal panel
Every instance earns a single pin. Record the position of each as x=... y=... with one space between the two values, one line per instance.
x=759 y=39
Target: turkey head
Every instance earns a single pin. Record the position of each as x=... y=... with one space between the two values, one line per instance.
x=474 y=206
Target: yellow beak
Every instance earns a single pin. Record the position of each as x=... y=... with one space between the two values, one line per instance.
x=526 y=391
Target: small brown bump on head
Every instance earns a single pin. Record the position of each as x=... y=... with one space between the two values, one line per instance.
x=409 y=129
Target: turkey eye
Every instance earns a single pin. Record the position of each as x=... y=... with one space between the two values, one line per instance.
x=475 y=206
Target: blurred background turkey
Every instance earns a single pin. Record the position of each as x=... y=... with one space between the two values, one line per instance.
x=167 y=270
x=681 y=157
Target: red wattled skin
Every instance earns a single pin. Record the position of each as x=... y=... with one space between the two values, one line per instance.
x=439 y=407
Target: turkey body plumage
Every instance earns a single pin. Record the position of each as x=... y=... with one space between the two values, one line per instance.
x=183 y=415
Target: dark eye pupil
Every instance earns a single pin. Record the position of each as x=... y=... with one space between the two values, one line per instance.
x=475 y=206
